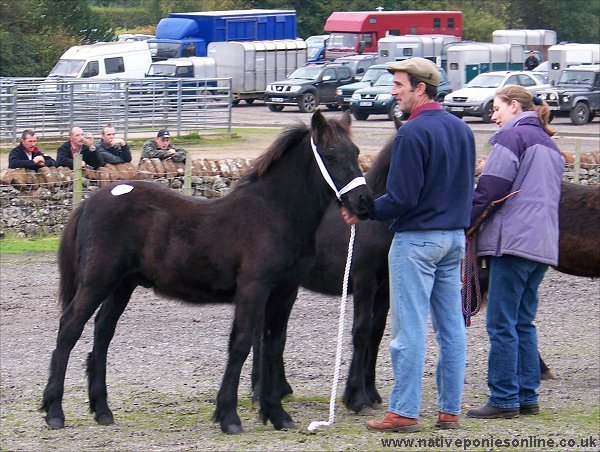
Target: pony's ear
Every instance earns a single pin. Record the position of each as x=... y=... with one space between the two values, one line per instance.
x=318 y=124
x=346 y=120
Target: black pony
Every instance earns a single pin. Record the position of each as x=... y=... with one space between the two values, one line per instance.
x=251 y=248
x=369 y=276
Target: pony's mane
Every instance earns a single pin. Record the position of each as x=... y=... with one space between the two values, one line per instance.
x=377 y=174
x=287 y=139
x=290 y=136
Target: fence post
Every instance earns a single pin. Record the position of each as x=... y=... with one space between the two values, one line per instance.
x=577 y=162
x=77 y=180
x=187 y=176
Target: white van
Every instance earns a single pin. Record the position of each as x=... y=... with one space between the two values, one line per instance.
x=104 y=60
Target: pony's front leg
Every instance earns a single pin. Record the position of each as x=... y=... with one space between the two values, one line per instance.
x=72 y=322
x=249 y=312
x=273 y=382
x=105 y=325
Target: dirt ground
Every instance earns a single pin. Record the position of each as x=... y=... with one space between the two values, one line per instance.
x=167 y=359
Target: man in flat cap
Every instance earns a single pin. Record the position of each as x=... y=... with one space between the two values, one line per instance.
x=428 y=201
x=161 y=148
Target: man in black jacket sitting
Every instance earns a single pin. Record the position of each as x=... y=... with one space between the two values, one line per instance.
x=27 y=155
x=78 y=143
x=113 y=150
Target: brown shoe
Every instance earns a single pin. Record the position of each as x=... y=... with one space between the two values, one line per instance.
x=529 y=409
x=392 y=422
x=447 y=421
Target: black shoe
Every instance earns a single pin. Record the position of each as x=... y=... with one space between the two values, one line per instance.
x=529 y=409
x=492 y=412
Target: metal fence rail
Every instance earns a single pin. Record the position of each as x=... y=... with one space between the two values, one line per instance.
x=52 y=106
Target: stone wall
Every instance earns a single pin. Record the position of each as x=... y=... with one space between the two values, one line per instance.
x=37 y=203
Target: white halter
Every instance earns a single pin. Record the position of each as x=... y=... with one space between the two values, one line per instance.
x=357 y=181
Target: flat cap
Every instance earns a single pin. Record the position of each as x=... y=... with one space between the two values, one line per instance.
x=420 y=68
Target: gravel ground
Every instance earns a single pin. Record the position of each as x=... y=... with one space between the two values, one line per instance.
x=166 y=362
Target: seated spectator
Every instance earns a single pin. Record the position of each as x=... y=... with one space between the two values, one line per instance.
x=79 y=143
x=161 y=148
x=113 y=150
x=27 y=155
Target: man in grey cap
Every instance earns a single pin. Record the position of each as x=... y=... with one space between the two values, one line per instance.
x=428 y=200
x=161 y=148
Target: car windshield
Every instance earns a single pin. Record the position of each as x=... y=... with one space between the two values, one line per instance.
x=386 y=79
x=162 y=70
x=315 y=40
x=66 y=68
x=485 y=81
x=576 y=77
x=541 y=76
x=307 y=73
x=342 y=41
x=312 y=52
x=373 y=74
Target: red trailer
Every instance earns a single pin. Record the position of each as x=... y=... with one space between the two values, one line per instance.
x=359 y=31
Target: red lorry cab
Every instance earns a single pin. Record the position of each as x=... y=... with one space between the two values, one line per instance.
x=359 y=31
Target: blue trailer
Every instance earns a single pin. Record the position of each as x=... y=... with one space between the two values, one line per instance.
x=188 y=34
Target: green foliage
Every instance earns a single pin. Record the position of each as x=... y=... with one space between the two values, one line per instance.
x=124 y=18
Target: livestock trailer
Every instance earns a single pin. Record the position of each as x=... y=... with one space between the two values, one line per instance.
x=432 y=47
x=252 y=65
x=468 y=59
x=564 y=55
x=536 y=40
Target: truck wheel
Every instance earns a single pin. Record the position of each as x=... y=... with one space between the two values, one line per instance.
x=580 y=114
x=360 y=116
x=275 y=107
x=249 y=101
x=392 y=112
x=488 y=110
x=333 y=107
x=308 y=103
x=592 y=116
x=550 y=117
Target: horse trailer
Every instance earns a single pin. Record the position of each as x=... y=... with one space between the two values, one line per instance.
x=432 y=47
x=536 y=40
x=468 y=59
x=252 y=65
x=562 y=56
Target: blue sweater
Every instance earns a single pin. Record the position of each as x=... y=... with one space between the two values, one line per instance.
x=430 y=181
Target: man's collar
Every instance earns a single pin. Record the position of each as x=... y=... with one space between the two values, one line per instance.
x=428 y=106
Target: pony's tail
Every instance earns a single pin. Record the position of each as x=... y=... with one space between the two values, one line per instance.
x=68 y=260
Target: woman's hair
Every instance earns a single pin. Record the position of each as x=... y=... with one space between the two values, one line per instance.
x=528 y=102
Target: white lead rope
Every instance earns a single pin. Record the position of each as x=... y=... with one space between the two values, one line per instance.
x=340 y=339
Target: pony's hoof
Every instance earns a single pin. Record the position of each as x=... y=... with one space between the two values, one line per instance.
x=366 y=411
x=105 y=419
x=548 y=375
x=376 y=405
x=288 y=425
x=232 y=429
x=55 y=423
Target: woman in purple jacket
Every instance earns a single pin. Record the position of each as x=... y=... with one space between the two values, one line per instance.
x=521 y=238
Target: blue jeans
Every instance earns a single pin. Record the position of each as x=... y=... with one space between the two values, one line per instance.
x=425 y=274
x=513 y=366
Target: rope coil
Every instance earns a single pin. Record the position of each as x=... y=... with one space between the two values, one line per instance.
x=338 y=355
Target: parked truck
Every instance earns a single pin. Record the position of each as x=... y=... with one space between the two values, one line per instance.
x=432 y=47
x=189 y=34
x=253 y=65
x=537 y=41
x=359 y=31
x=562 y=56
x=468 y=59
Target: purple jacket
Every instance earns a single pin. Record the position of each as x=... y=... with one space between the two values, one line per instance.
x=524 y=158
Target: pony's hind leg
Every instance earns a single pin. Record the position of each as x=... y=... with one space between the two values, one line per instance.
x=104 y=330
x=72 y=322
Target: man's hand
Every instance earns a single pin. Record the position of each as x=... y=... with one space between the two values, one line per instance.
x=39 y=160
x=349 y=217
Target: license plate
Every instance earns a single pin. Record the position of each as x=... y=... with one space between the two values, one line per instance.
x=347 y=99
x=457 y=109
x=365 y=104
x=276 y=99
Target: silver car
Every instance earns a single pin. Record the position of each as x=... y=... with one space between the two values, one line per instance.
x=477 y=97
